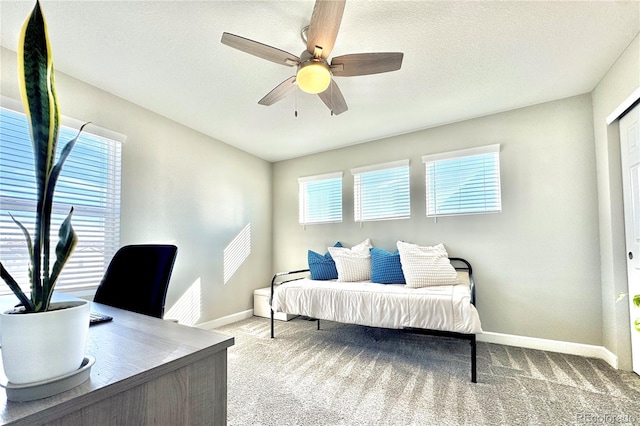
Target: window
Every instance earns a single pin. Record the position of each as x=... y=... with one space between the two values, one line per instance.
x=463 y=182
x=90 y=182
x=320 y=198
x=381 y=191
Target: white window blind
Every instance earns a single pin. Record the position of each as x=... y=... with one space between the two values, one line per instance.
x=463 y=182
x=90 y=182
x=320 y=198
x=381 y=191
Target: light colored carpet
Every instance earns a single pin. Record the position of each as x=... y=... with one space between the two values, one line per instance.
x=353 y=375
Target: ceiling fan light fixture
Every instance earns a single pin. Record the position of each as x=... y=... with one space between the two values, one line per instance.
x=313 y=76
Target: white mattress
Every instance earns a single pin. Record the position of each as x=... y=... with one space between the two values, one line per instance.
x=446 y=308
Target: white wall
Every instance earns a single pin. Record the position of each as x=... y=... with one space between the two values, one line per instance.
x=536 y=264
x=182 y=187
x=619 y=82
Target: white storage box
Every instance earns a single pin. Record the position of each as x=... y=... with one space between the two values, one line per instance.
x=261 y=305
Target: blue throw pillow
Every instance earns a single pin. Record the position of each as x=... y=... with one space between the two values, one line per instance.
x=386 y=267
x=322 y=267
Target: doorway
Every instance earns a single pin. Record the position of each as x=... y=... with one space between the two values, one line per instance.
x=630 y=156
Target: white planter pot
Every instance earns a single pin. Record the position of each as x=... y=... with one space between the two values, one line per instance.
x=44 y=345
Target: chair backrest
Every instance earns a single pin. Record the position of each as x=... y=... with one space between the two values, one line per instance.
x=137 y=278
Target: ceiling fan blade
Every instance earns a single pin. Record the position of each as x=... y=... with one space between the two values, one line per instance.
x=333 y=99
x=260 y=50
x=279 y=92
x=324 y=25
x=365 y=63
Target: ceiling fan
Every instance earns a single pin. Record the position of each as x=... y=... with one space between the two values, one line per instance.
x=314 y=72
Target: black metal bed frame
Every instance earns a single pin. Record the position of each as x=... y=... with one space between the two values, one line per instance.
x=470 y=337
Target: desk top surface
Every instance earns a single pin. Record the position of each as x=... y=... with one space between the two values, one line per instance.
x=129 y=350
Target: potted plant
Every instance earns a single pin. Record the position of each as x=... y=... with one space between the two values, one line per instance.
x=42 y=340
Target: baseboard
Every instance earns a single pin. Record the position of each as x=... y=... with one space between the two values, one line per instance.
x=590 y=351
x=229 y=319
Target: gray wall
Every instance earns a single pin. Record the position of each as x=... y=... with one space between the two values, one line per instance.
x=536 y=263
x=619 y=82
x=182 y=187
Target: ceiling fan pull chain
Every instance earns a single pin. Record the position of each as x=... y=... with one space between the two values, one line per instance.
x=296 y=106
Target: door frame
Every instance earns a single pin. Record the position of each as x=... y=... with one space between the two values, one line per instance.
x=627 y=105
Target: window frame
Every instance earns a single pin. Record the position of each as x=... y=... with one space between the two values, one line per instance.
x=486 y=151
x=97 y=209
x=303 y=199
x=358 y=199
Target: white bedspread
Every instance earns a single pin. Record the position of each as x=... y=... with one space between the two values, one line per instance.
x=445 y=308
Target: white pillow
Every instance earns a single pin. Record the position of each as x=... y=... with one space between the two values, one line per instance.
x=353 y=264
x=425 y=266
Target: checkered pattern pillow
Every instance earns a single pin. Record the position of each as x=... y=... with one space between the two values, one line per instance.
x=322 y=267
x=386 y=267
x=353 y=264
x=425 y=266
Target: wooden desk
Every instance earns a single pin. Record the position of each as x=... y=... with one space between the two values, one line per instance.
x=147 y=371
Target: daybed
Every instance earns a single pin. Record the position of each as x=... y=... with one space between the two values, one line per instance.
x=443 y=306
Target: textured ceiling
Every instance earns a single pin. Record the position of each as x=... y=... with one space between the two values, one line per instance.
x=462 y=59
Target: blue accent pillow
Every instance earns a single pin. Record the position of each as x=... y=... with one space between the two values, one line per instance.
x=386 y=267
x=322 y=267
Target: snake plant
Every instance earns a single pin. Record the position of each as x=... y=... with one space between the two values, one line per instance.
x=37 y=90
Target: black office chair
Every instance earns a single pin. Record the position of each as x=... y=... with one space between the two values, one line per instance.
x=137 y=278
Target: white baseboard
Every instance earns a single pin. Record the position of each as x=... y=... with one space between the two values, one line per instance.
x=590 y=351
x=229 y=319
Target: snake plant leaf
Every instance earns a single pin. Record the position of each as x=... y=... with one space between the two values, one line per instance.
x=35 y=292
x=48 y=200
x=37 y=89
x=55 y=173
x=15 y=287
x=27 y=236
x=67 y=240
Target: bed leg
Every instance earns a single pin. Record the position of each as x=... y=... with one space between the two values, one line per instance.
x=473 y=359
x=318 y=325
x=272 y=334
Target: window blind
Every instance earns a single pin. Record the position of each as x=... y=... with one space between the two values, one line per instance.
x=463 y=182
x=89 y=181
x=320 y=198
x=381 y=191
